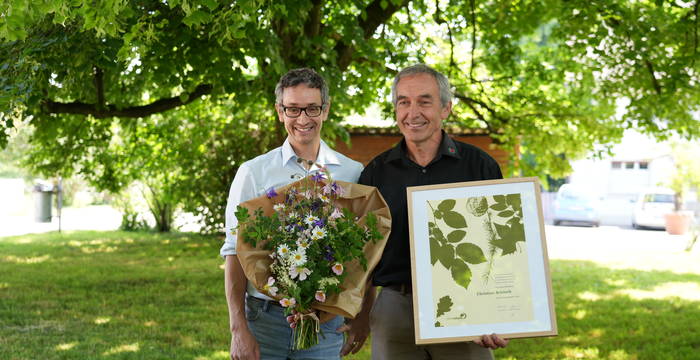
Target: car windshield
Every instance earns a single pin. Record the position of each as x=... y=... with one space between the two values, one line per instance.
x=659 y=198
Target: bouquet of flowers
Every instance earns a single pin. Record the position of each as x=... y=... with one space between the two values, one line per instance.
x=311 y=240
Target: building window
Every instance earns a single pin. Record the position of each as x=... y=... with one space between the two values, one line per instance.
x=643 y=165
x=616 y=165
x=629 y=165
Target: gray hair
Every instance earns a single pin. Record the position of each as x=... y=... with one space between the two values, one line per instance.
x=443 y=83
x=305 y=76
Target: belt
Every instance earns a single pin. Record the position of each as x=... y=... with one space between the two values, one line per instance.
x=402 y=288
x=264 y=303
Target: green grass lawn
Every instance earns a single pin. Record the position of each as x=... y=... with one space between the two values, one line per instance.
x=117 y=295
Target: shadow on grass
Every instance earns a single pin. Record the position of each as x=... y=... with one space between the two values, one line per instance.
x=155 y=296
x=605 y=313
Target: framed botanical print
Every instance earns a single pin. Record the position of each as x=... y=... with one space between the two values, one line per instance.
x=479 y=261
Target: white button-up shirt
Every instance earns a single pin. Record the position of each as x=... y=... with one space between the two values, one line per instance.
x=273 y=170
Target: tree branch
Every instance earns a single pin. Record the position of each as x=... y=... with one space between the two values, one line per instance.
x=99 y=87
x=96 y=111
x=470 y=102
x=375 y=16
x=312 y=27
x=654 y=80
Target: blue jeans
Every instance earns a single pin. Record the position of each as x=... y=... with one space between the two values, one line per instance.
x=268 y=324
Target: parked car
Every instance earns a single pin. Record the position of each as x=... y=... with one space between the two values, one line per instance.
x=650 y=208
x=574 y=204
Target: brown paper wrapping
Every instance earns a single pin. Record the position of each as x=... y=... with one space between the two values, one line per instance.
x=360 y=199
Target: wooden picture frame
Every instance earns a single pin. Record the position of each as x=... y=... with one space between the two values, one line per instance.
x=479 y=261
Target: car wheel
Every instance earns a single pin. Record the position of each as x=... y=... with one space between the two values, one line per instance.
x=557 y=222
x=635 y=226
x=595 y=224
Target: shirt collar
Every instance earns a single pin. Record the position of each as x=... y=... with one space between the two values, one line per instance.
x=325 y=156
x=447 y=147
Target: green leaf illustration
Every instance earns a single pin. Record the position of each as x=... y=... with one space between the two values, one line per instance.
x=471 y=253
x=513 y=200
x=456 y=236
x=502 y=230
x=499 y=198
x=461 y=274
x=446 y=255
x=506 y=245
x=434 y=249
x=498 y=207
x=447 y=205
x=435 y=232
x=506 y=214
x=444 y=305
x=438 y=214
x=454 y=219
x=437 y=324
x=477 y=206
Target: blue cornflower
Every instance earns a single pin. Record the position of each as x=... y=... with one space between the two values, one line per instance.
x=318 y=177
x=329 y=254
x=271 y=193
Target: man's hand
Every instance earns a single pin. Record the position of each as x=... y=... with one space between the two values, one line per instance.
x=492 y=341
x=357 y=331
x=244 y=346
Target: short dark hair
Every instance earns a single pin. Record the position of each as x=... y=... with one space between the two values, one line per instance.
x=306 y=76
x=443 y=83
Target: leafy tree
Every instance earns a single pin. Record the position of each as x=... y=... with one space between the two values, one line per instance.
x=545 y=74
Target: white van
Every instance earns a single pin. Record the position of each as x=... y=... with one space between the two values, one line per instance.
x=651 y=206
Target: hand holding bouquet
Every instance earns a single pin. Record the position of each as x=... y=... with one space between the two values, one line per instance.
x=311 y=240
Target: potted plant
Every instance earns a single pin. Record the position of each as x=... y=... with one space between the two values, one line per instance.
x=685 y=177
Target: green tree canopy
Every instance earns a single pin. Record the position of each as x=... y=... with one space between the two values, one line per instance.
x=126 y=89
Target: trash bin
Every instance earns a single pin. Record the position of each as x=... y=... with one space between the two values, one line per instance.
x=42 y=202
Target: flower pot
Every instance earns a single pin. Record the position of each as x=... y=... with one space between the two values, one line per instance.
x=678 y=223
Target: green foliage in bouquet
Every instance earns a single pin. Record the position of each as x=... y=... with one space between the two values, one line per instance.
x=310 y=239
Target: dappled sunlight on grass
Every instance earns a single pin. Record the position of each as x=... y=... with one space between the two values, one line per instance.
x=218 y=355
x=122 y=349
x=4 y=285
x=149 y=324
x=596 y=333
x=684 y=290
x=589 y=296
x=621 y=355
x=102 y=320
x=25 y=260
x=579 y=314
x=66 y=346
x=580 y=353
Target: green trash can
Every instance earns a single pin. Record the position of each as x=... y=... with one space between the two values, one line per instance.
x=42 y=202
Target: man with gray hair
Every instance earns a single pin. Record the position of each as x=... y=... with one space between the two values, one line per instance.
x=259 y=328
x=426 y=156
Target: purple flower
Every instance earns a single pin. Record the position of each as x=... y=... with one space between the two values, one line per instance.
x=318 y=177
x=271 y=193
x=319 y=223
x=329 y=254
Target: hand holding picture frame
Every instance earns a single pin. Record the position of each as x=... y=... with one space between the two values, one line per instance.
x=479 y=261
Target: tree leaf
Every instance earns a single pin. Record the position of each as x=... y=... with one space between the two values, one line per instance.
x=461 y=274
x=447 y=205
x=454 y=219
x=471 y=253
x=444 y=306
x=456 y=236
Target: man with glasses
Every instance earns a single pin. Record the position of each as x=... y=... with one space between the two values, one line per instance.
x=259 y=328
x=426 y=156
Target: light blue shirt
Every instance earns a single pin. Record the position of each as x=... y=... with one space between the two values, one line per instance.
x=275 y=169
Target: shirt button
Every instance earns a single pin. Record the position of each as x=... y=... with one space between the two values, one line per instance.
x=424 y=171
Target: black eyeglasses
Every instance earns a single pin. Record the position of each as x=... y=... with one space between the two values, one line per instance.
x=294 y=112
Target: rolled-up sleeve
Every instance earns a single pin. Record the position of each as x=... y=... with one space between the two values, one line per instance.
x=242 y=189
